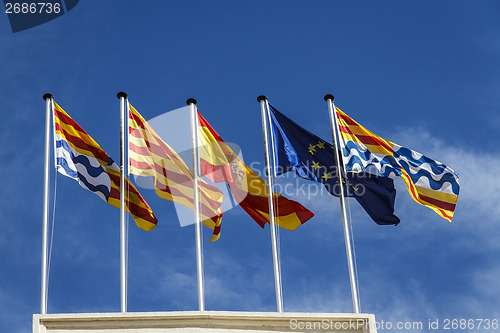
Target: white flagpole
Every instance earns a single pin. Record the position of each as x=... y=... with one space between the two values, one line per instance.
x=340 y=174
x=123 y=245
x=277 y=273
x=45 y=230
x=198 y=232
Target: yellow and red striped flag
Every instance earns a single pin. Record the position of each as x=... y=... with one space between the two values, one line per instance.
x=150 y=156
x=220 y=164
x=79 y=157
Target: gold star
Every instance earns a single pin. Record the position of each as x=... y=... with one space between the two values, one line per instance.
x=312 y=148
x=315 y=165
x=343 y=181
x=326 y=175
x=321 y=145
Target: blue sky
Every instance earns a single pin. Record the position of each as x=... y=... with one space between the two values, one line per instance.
x=422 y=74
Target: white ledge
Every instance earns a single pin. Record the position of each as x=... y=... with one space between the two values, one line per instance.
x=203 y=321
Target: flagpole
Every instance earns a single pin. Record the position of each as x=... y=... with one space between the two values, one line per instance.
x=340 y=174
x=277 y=274
x=198 y=232
x=123 y=262
x=45 y=229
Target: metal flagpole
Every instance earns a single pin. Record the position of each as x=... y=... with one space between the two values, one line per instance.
x=277 y=274
x=196 y=171
x=123 y=245
x=340 y=174
x=45 y=230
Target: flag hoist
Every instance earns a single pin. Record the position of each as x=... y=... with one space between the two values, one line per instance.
x=49 y=99
x=341 y=176
x=276 y=260
x=197 y=221
x=123 y=223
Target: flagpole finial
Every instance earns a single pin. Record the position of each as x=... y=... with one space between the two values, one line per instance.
x=191 y=101
x=121 y=94
x=48 y=96
x=328 y=96
x=261 y=98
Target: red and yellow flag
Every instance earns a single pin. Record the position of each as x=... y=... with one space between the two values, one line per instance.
x=219 y=163
x=150 y=156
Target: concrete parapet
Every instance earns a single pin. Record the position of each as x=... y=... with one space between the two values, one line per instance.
x=203 y=321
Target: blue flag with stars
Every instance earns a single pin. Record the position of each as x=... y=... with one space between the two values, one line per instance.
x=298 y=150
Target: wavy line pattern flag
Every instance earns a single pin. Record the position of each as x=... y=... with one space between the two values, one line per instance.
x=150 y=156
x=430 y=183
x=310 y=157
x=79 y=157
x=220 y=164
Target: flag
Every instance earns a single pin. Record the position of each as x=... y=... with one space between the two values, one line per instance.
x=79 y=157
x=150 y=156
x=310 y=157
x=430 y=183
x=220 y=164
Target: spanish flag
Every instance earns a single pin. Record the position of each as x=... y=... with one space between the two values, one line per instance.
x=220 y=164
x=150 y=156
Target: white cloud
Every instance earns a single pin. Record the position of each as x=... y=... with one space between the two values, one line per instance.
x=332 y=300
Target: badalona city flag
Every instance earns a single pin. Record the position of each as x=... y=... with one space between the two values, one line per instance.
x=79 y=157
x=429 y=182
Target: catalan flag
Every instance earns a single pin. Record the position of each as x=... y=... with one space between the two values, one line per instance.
x=430 y=183
x=312 y=158
x=79 y=157
x=220 y=164
x=150 y=156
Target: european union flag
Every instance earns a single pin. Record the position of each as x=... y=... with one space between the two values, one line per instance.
x=310 y=157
